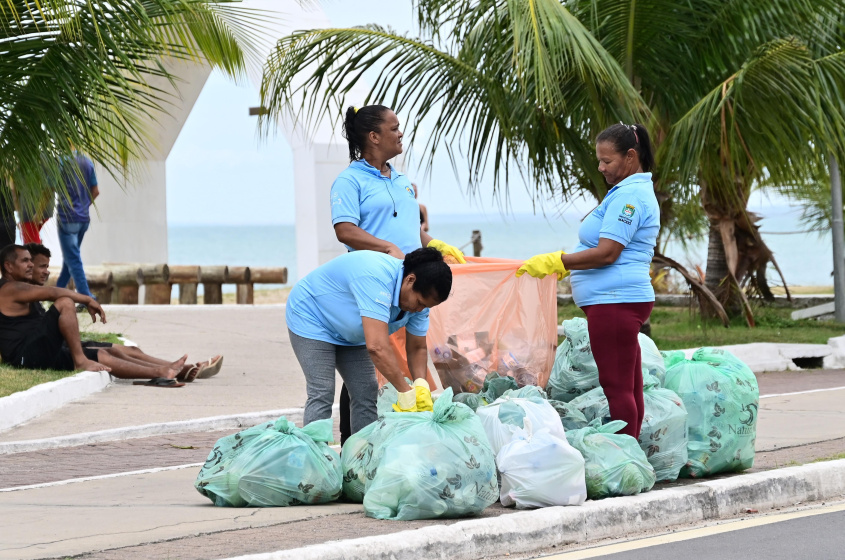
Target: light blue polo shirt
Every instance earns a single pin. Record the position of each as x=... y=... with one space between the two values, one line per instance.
x=361 y=195
x=329 y=302
x=629 y=215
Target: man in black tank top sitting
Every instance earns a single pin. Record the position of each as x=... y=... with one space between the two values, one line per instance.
x=32 y=338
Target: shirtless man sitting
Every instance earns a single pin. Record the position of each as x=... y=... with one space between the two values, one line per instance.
x=33 y=338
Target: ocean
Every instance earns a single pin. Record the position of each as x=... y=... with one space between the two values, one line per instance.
x=805 y=258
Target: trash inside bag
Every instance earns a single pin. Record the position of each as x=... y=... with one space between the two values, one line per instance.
x=540 y=470
x=502 y=418
x=424 y=465
x=663 y=436
x=574 y=371
x=614 y=463
x=527 y=392
x=274 y=464
x=493 y=321
x=472 y=400
x=721 y=396
x=570 y=416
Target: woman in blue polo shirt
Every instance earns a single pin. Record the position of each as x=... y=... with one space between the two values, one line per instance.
x=374 y=206
x=340 y=317
x=610 y=267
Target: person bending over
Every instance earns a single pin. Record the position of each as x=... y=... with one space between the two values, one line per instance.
x=33 y=338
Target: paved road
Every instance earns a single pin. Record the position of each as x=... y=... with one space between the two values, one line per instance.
x=814 y=534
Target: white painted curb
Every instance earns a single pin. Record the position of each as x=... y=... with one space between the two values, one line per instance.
x=22 y=407
x=531 y=531
x=212 y=423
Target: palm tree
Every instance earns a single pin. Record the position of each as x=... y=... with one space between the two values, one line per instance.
x=81 y=74
x=738 y=95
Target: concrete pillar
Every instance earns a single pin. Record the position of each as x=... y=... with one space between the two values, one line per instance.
x=129 y=223
x=315 y=169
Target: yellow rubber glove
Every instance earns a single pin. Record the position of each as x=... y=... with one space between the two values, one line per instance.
x=424 y=400
x=539 y=266
x=407 y=401
x=446 y=249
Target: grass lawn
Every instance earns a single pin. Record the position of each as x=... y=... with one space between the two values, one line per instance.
x=673 y=328
x=13 y=380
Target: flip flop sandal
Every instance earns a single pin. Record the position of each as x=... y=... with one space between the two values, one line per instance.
x=160 y=382
x=190 y=376
x=210 y=369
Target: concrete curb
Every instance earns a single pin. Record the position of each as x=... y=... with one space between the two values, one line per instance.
x=533 y=531
x=232 y=421
x=22 y=407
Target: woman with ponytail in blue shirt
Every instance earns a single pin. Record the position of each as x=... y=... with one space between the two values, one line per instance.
x=610 y=267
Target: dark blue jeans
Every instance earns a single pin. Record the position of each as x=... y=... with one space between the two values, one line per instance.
x=70 y=239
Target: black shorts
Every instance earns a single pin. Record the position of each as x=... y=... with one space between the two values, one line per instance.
x=45 y=348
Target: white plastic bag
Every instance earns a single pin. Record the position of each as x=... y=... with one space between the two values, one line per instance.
x=540 y=470
x=502 y=418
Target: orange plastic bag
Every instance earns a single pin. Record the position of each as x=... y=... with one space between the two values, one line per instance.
x=494 y=321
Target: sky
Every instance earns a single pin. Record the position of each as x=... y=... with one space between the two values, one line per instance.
x=219 y=172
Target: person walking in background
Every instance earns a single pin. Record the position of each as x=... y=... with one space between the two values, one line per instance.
x=374 y=206
x=80 y=182
x=34 y=214
x=610 y=267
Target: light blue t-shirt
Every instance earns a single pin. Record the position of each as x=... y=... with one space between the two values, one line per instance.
x=629 y=215
x=361 y=195
x=329 y=302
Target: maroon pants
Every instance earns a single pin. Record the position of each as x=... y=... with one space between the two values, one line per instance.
x=613 y=329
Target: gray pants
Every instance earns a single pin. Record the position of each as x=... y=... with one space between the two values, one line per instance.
x=319 y=360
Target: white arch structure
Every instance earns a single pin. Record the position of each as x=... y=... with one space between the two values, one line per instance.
x=130 y=225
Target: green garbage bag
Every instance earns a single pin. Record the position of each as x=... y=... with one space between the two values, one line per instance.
x=663 y=436
x=216 y=481
x=721 y=396
x=575 y=371
x=387 y=397
x=614 y=463
x=472 y=400
x=495 y=385
x=671 y=358
x=277 y=465
x=526 y=392
x=432 y=465
x=570 y=416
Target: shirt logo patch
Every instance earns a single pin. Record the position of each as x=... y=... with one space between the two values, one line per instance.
x=628 y=211
x=410 y=191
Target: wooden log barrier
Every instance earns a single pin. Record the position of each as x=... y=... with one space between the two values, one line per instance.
x=269 y=275
x=241 y=276
x=100 y=281
x=213 y=278
x=187 y=277
x=156 y=281
x=125 y=280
